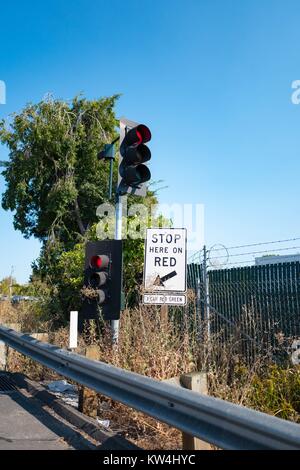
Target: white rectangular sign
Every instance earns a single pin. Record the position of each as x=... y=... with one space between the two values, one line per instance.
x=165 y=260
x=164 y=299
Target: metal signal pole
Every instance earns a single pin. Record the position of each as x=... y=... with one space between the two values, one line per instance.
x=115 y=324
x=118 y=236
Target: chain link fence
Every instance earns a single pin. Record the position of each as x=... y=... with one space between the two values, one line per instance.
x=260 y=303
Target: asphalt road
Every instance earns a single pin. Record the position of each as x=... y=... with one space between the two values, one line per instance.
x=25 y=424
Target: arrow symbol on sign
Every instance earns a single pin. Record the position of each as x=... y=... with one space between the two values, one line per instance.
x=159 y=281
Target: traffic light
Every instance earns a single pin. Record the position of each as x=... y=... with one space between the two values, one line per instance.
x=102 y=280
x=134 y=153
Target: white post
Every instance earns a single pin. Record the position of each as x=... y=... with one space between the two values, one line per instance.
x=73 y=336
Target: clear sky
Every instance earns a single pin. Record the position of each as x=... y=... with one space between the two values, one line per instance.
x=212 y=79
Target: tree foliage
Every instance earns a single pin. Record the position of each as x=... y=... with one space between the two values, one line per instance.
x=54 y=178
x=5 y=285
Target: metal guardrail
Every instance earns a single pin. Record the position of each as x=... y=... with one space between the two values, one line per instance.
x=218 y=422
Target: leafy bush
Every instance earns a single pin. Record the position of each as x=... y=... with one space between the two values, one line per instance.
x=277 y=392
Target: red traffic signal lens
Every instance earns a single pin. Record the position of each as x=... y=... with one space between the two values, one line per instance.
x=143 y=133
x=99 y=262
x=96 y=262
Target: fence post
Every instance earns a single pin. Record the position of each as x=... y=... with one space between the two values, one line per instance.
x=164 y=312
x=198 y=309
x=206 y=292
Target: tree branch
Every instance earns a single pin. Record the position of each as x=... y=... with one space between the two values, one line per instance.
x=78 y=218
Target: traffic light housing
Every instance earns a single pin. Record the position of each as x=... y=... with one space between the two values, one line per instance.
x=134 y=154
x=102 y=280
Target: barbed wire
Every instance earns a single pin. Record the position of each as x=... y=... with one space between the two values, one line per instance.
x=199 y=252
x=256 y=252
x=257 y=244
x=231 y=264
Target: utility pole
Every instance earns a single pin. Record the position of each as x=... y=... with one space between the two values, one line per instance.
x=10 y=282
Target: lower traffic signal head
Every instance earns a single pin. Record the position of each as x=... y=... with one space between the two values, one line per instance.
x=102 y=280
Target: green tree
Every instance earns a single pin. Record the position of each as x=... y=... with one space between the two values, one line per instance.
x=54 y=178
x=5 y=284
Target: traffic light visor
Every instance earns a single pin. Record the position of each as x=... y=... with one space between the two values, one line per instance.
x=143 y=173
x=143 y=133
x=136 y=136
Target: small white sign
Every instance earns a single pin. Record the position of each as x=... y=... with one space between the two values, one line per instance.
x=164 y=299
x=165 y=260
x=73 y=330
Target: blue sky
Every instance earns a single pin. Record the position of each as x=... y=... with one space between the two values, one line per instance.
x=212 y=79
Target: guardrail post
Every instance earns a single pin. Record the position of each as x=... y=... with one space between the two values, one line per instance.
x=88 y=400
x=196 y=381
x=3 y=355
x=4 y=349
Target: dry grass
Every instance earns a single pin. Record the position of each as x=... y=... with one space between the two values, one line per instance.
x=8 y=313
x=148 y=347
x=29 y=316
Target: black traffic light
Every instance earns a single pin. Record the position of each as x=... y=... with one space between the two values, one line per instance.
x=102 y=280
x=134 y=153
